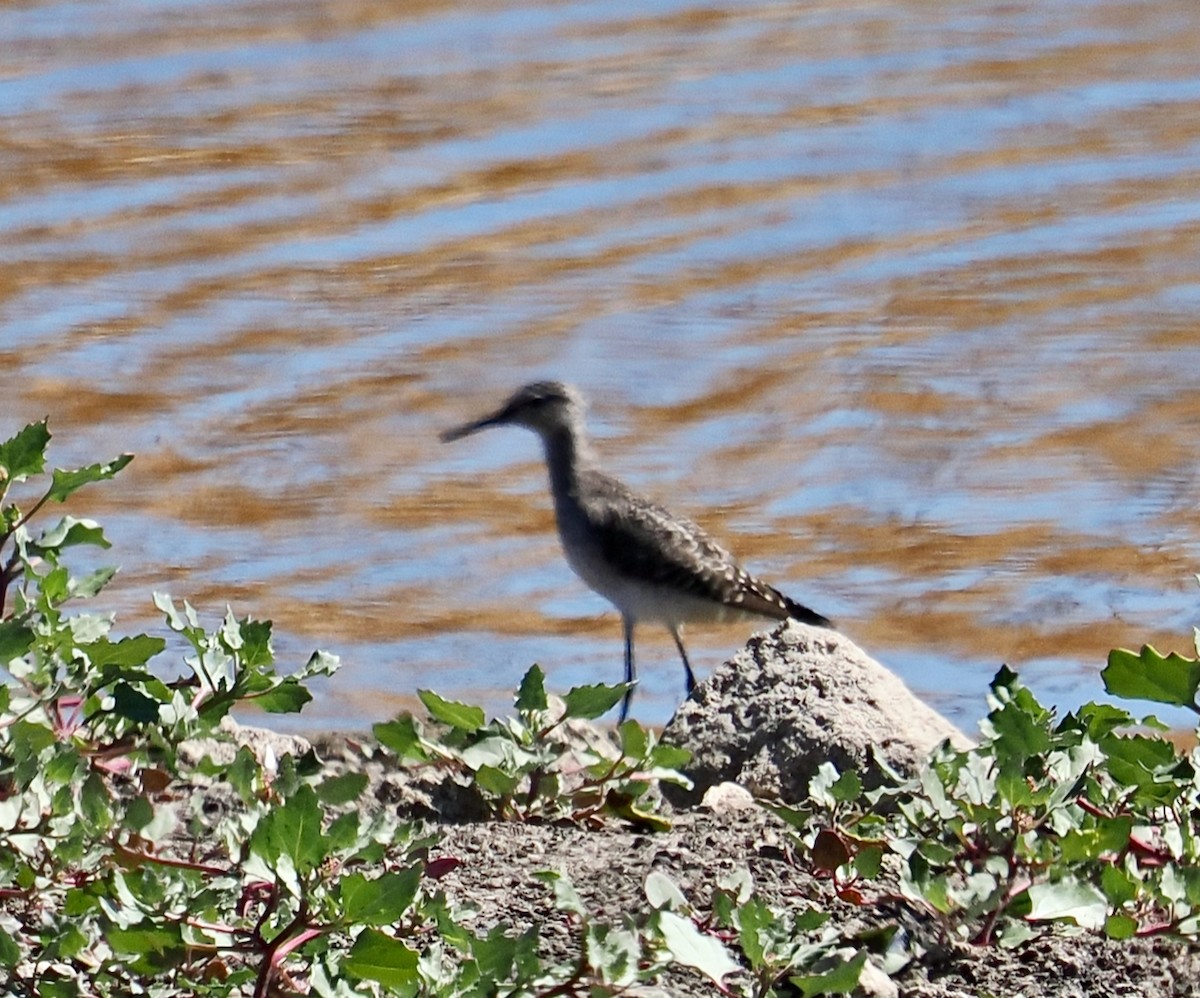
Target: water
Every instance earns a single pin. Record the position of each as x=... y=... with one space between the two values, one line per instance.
x=898 y=299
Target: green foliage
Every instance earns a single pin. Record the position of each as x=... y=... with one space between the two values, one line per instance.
x=1147 y=675
x=118 y=877
x=780 y=946
x=115 y=880
x=1084 y=821
x=531 y=767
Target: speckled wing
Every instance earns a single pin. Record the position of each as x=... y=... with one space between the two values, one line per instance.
x=642 y=541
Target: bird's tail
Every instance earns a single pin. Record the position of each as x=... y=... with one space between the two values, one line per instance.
x=798 y=611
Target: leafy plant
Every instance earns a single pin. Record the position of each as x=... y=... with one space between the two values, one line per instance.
x=148 y=847
x=1084 y=820
x=531 y=767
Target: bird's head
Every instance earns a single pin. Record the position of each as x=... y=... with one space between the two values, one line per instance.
x=543 y=406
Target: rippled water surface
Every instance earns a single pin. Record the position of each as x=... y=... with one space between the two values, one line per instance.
x=899 y=299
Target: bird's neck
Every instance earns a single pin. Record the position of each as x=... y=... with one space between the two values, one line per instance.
x=568 y=454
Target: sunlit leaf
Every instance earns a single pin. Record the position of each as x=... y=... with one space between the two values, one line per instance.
x=465 y=717
x=378 y=957
x=590 y=702
x=1068 y=899
x=293 y=830
x=614 y=953
x=402 y=736
x=1120 y=927
x=25 y=454
x=69 y=532
x=841 y=980
x=93 y=582
x=663 y=892
x=288 y=697
x=494 y=780
x=565 y=895
x=1148 y=675
x=635 y=739
x=755 y=919
x=380 y=900
x=128 y=653
x=693 y=948
x=66 y=482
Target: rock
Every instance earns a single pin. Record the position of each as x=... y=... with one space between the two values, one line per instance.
x=268 y=746
x=791 y=700
x=723 y=798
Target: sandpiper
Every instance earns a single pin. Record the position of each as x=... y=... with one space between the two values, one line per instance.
x=650 y=564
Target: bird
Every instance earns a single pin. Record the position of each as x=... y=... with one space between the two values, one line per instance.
x=652 y=565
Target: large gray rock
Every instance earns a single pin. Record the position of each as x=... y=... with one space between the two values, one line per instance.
x=793 y=699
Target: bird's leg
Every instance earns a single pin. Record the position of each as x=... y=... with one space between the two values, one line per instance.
x=630 y=672
x=687 y=666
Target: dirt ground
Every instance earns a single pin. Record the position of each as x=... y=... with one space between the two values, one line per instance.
x=609 y=867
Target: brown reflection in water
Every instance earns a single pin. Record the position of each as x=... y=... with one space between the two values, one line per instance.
x=258 y=171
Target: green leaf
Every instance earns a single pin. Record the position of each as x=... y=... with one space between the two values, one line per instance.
x=1019 y=724
x=150 y=942
x=664 y=756
x=565 y=896
x=10 y=952
x=93 y=582
x=847 y=787
x=841 y=980
x=66 y=482
x=1108 y=835
x=1118 y=886
x=1068 y=899
x=342 y=789
x=343 y=832
x=134 y=704
x=465 y=717
x=288 y=697
x=293 y=830
x=635 y=739
x=139 y=812
x=255 y=651
x=755 y=920
x=497 y=953
x=589 y=702
x=868 y=861
x=693 y=948
x=1147 y=675
x=95 y=804
x=379 y=901
x=1120 y=927
x=402 y=736
x=531 y=694
x=25 y=454
x=15 y=640
x=1100 y=719
x=70 y=531
x=378 y=957
x=128 y=653
x=1142 y=762
x=494 y=780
